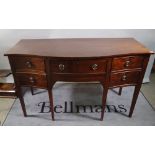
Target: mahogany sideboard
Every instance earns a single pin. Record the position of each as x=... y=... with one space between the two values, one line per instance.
x=114 y=62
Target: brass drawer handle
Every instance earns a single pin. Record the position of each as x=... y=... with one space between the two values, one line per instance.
x=61 y=67
x=124 y=77
x=127 y=63
x=94 y=66
x=28 y=64
x=32 y=80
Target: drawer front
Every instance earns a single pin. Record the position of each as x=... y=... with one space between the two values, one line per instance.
x=28 y=64
x=79 y=77
x=79 y=66
x=129 y=62
x=124 y=78
x=32 y=80
x=58 y=66
x=91 y=66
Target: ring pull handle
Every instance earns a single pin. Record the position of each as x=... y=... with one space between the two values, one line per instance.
x=61 y=67
x=28 y=64
x=32 y=80
x=127 y=63
x=124 y=77
x=94 y=66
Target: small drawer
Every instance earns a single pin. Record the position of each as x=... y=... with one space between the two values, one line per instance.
x=28 y=64
x=78 y=66
x=124 y=78
x=129 y=62
x=32 y=80
x=91 y=66
x=61 y=66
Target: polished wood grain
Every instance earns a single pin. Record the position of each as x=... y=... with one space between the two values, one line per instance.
x=113 y=62
x=124 y=78
x=78 y=66
x=34 y=80
x=28 y=64
x=138 y=86
x=128 y=62
x=86 y=47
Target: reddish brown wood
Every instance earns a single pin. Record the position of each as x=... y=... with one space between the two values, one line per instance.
x=123 y=78
x=138 y=86
x=105 y=85
x=78 y=77
x=21 y=98
x=28 y=64
x=104 y=98
x=18 y=88
x=128 y=62
x=34 y=80
x=79 y=48
x=50 y=84
x=51 y=103
x=112 y=62
x=78 y=66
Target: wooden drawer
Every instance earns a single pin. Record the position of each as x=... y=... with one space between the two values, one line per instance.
x=128 y=62
x=61 y=66
x=32 y=80
x=28 y=64
x=124 y=78
x=79 y=77
x=79 y=66
x=91 y=66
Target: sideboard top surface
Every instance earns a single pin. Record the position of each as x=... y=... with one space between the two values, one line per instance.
x=82 y=47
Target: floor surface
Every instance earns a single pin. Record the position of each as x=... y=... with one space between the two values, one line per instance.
x=148 y=90
x=80 y=105
x=5 y=107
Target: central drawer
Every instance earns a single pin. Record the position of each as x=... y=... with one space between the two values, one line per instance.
x=78 y=66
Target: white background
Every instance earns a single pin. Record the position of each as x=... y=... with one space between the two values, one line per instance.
x=79 y=14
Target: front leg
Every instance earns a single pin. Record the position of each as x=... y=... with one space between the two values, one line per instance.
x=21 y=98
x=120 y=91
x=51 y=100
x=104 y=98
x=134 y=100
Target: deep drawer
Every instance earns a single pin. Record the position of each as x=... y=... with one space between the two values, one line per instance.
x=124 y=78
x=32 y=80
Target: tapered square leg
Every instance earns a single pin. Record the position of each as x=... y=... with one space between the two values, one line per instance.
x=120 y=91
x=51 y=103
x=104 y=98
x=20 y=95
x=134 y=100
x=32 y=91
